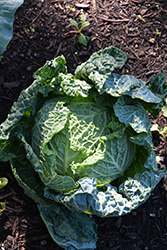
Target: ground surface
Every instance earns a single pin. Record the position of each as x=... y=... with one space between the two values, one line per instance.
x=111 y=23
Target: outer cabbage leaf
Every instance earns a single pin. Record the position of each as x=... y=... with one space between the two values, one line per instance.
x=98 y=72
x=117 y=85
x=72 y=230
x=110 y=201
x=132 y=113
x=157 y=85
x=29 y=101
x=100 y=65
x=7 y=10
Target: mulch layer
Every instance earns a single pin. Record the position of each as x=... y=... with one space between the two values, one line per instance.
x=137 y=27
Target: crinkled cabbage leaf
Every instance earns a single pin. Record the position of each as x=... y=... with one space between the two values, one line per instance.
x=81 y=144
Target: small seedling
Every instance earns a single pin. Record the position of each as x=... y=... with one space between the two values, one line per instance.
x=1 y=57
x=164 y=111
x=158 y=158
x=142 y=18
x=157 y=33
x=3 y=182
x=32 y=29
x=82 y=38
x=161 y=132
x=71 y=9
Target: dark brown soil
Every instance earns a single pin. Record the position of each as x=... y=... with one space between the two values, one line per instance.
x=112 y=22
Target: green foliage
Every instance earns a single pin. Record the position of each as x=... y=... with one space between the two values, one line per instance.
x=158 y=159
x=81 y=144
x=3 y=182
x=164 y=108
x=164 y=111
x=70 y=8
x=32 y=29
x=157 y=33
x=161 y=132
x=82 y=38
x=141 y=18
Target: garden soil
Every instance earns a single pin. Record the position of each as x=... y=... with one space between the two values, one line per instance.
x=137 y=27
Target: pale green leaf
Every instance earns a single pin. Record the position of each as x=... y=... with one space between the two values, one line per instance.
x=164 y=111
x=76 y=135
x=83 y=18
x=3 y=182
x=73 y=22
x=2 y=206
x=163 y=130
x=114 y=155
x=84 y=24
x=74 y=87
x=154 y=127
x=158 y=158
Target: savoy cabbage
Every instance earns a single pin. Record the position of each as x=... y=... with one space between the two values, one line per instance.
x=81 y=144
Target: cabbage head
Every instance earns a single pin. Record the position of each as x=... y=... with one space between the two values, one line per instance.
x=81 y=144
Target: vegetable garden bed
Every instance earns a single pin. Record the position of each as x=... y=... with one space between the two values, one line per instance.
x=39 y=35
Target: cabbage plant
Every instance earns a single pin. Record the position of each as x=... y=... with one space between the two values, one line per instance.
x=7 y=10
x=81 y=144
